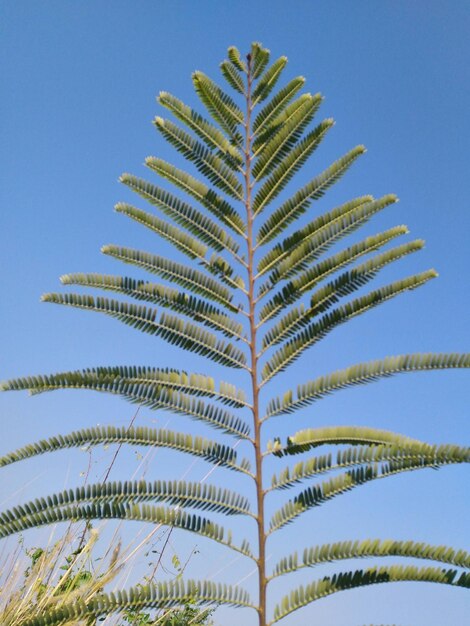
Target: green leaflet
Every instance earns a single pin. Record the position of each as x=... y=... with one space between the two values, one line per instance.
x=149 y=596
x=210 y=134
x=317 y=330
x=220 y=106
x=182 y=241
x=356 y=455
x=180 y=302
x=309 y=438
x=273 y=152
x=367 y=548
x=232 y=76
x=329 y=489
x=259 y=58
x=306 y=245
x=299 y=285
x=289 y=166
x=174 y=330
x=276 y=105
x=175 y=493
x=363 y=373
x=182 y=213
x=109 y=377
x=187 y=277
x=201 y=447
x=268 y=81
x=331 y=223
x=136 y=512
x=326 y=586
x=203 y=194
x=299 y=202
x=235 y=58
x=208 y=163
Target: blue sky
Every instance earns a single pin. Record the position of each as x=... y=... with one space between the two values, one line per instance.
x=80 y=80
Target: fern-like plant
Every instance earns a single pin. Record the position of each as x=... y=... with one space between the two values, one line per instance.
x=254 y=296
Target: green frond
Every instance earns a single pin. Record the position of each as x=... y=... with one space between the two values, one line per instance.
x=175 y=493
x=420 y=453
x=295 y=206
x=232 y=76
x=180 y=274
x=330 y=222
x=342 y=550
x=235 y=58
x=363 y=373
x=323 y=587
x=268 y=81
x=291 y=163
x=310 y=438
x=259 y=58
x=205 y=160
x=180 y=302
x=141 y=513
x=106 y=378
x=193 y=248
x=299 y=285
x=350 y=281
x=328 y=489
x=162 y=595
x=276 y=105
x=143 y=390
x=174 y=330
x=293 y=124
x=210 y=134
x=202 y=193
x=220 y=105
x=201 y=447
x=182 y=213
x=299 y=250
x=317 y=330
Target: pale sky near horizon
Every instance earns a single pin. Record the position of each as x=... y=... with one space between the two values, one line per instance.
x=79 y=84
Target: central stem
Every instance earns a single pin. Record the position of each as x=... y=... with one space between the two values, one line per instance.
x=254 y=358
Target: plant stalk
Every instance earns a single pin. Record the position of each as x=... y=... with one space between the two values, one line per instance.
x=254 y=357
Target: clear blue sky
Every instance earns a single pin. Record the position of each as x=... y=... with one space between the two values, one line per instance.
x=79 y=84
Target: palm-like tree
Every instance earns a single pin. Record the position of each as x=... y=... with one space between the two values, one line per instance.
x=254 y=297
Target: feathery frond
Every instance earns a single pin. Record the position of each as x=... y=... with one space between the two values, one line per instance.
x=197 y=223
x=270 y=111
x=232 y=76
x=131 y=512
x=174 y=330
x=205 y=160
x=329 y=489
x=363 y=373
x=268 y=81
x=406 y=452
x=150 y=596
x=210 y=134
x=321 y=588
x=201 y=447
x=290 y=210
x=343 y=550
x=168 y=297
x=202 y=193
x=221 y=106
x=103 y=377
x=317 y=330
x=175 y=493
